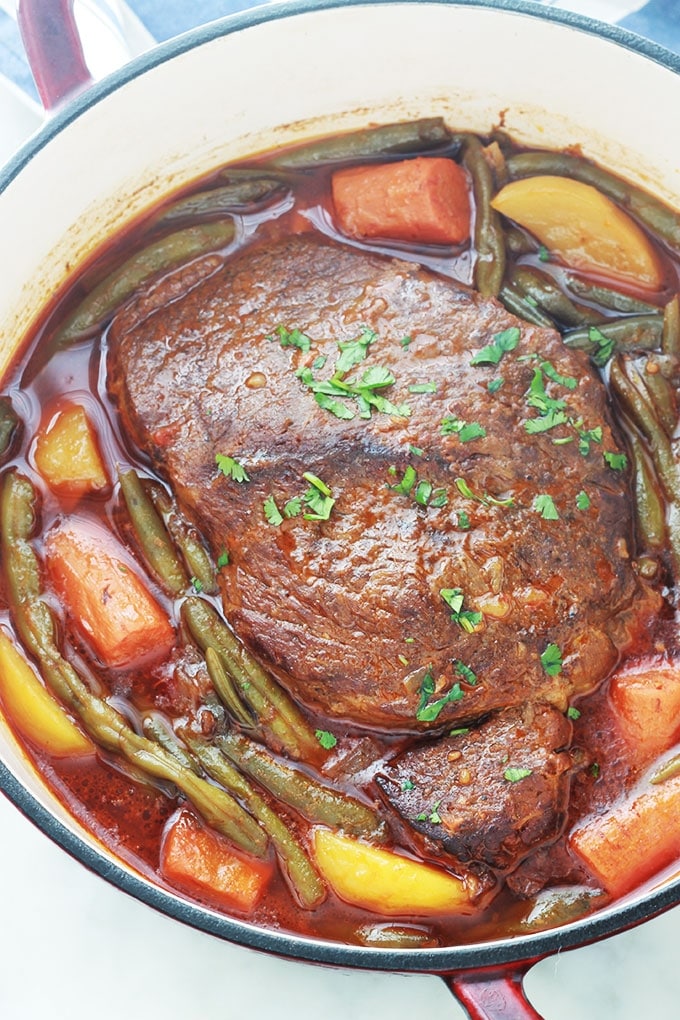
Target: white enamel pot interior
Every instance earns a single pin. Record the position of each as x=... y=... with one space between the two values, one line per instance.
x=273 y=76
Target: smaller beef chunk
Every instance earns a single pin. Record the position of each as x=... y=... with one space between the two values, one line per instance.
x=490 y=795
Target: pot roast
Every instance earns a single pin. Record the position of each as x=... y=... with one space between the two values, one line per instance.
x=425 y=507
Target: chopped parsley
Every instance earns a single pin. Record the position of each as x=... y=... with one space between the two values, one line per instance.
x=291 y=338
x=468 y=619
x=595 y=770
x=421 y=490
x=433 y=816
x=543 y=253
x=545 y=506
x=551 y=660
x=616 y=461
x=272 y=512
x=503 y=342
x=197 y=585
x=514 y=775
x=460 y=732
x=423 y=387
x=586 y=437
x=604 y=346
x=465 y=490
x=495 y=384
x=466 y=431
x=223 y=559
x=231 y=468
x=582 y=500
x=428 y=711
x=465 y=673
x=344 y=397
x=405 y=341
x=317 y=498
x=417 y=451
x=408 y=784
x=326 y=739
x=573 y=713
x=463 y=521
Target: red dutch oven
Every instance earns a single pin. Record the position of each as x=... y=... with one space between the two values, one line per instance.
x=223 y=91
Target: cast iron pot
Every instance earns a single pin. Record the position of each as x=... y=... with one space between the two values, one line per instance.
x=272 y=76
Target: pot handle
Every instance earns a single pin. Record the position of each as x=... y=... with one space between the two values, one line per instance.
x=495 y=994
x=53 y=48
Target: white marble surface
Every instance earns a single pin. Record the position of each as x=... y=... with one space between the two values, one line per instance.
x=73 y=947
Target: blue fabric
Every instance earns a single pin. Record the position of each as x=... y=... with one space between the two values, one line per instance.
x=658 y=20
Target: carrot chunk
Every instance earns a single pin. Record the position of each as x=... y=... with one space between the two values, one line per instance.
x=646 y=700
x=634 y=840
x=201 y=862
x=104 y=596
x=424 y=200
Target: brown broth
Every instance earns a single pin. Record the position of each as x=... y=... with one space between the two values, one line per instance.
x=130 y=818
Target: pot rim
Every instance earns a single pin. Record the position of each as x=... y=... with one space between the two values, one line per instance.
x=514 y=949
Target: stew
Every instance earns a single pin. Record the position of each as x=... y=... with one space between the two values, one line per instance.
x=339 y=521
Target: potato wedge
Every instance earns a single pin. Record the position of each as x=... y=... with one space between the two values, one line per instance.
x=67 y=455
x=583 y=228
x=33 y=710
x=387 y=883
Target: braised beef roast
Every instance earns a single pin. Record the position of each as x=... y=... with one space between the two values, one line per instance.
x=476 y=554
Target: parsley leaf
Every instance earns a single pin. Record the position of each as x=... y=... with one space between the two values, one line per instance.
x=582 y=500
x=466 y=431
x=293 y=507
x=503 y=342
x=423 y=387
x=468 y=619
x=223 y=559
x=231 y=468
x=616 y=461
x=546 y=421
x=514 y=775
x=430 y=711
x=495 y=384
x=352 y=352
x=326 y=739
x=291 y=338
x=272 y=512
x=318 y=499
x=551 y=660
x=544 y=505
x=467 y=675
x=604 y=347
x=573 y=713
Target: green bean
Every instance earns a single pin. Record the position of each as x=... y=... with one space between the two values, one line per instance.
x=36 y=628
x=638 y=406
x=276 y=712
x=614 y=300
x=669 y=770
x=9 y=425
x=649 y=504
x=318 y=803
x=518 y=242
x=542 y=289
x=160 y=256
x=654 y=214
x=386 y=140
x=662 y=394
x=636 y=332
x=151 y=534
x=187 y=540
x=218 y=202
x=303 y=878
x=670 y=339
x=489 y=238
x=155 y=730
x=518 y=305
x=226 y=688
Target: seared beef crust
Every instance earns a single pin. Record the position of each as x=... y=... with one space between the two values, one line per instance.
x=491 y=795
x=348 y=612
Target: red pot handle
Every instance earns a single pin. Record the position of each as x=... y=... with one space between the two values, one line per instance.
x=55 y=54
x=492 y=994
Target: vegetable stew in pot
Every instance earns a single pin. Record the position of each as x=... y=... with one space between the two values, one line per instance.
x=339 y=520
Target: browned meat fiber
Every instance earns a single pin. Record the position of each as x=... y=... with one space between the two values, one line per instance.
x=476 y=520
x=491 y=794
